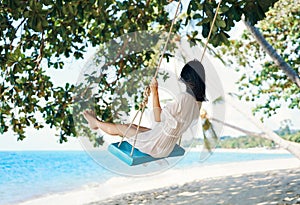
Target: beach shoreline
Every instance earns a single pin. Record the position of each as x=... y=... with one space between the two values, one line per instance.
x=256 y=150
x=174 y=177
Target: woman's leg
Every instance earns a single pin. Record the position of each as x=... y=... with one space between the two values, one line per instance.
x=111 y=128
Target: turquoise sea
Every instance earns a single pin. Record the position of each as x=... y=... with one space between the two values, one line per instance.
x=29 y=174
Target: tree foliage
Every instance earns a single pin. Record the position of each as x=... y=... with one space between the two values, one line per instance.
x=263 y=79
x=293 y=137
x=39 y=35
x=253 y=142
x=243 y=142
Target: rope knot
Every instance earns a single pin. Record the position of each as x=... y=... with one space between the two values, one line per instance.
x=203 y=114
x=146 y=95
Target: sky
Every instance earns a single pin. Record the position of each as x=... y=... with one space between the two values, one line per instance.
x=46 y=138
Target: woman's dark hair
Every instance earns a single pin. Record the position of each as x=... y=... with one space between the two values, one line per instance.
x=193 y=75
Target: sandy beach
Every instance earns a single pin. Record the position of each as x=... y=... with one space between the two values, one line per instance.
x=273 y=187
x=253 y=182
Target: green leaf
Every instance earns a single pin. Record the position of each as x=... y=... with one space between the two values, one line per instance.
x=220 y=23
x=59 y=31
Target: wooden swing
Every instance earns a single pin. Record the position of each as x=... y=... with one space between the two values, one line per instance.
x=127 y=152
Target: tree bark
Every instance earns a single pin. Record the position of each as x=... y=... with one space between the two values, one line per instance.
x=287 y=69
x=292 y=147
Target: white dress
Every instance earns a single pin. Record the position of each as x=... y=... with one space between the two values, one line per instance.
x=176 y=117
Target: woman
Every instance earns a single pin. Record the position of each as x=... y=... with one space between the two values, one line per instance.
x=172 y=121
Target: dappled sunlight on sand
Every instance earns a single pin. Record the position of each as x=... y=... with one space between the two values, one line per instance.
x=264 y=188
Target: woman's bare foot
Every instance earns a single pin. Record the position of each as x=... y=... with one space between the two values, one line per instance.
x=92 y=119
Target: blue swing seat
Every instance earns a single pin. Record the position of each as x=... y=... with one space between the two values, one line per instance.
x=138 y=157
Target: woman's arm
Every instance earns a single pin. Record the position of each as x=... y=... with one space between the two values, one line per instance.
x=155 y=97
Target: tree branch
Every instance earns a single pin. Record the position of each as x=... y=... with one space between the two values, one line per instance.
x=291 y=74
x=247 y=132
x=15 y=31
x=40 y=57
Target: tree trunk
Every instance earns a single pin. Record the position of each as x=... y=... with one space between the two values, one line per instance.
x=291 y=74
x=292 y=147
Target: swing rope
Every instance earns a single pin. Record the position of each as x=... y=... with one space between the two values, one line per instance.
x=168 y=38
x=210 y=31
x=146 y=92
